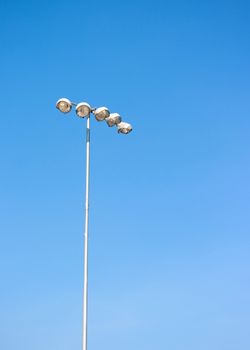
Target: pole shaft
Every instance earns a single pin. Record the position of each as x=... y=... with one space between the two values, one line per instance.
x=86 y=231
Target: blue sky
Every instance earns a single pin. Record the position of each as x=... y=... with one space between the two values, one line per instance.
x=169 y=220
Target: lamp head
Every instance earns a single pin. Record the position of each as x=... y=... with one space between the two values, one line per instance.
x=101 y=113
x=124 y=128
x=113 y=119
x=83 y=109
x=64 y=105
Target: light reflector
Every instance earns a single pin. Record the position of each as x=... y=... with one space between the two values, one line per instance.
x=83 y=109
x=124 y=128
x=113 y=119
x=101 y=113
x=64 y=105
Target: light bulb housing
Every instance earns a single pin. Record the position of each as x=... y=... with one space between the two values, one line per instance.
x=113 y=119
x=124 y=128
x=64 y=105
x=101 y=113
x=83 y=109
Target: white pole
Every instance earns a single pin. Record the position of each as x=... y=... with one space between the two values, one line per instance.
x=85 y=283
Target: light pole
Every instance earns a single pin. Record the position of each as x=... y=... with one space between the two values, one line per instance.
x=84 y=110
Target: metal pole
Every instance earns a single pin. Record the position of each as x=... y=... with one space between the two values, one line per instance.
x=85 y=283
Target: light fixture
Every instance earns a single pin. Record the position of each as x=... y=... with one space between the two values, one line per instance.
x=64 y=105
x=83 y=109
x=101 y=113
x=113 y=119
x=124 y=128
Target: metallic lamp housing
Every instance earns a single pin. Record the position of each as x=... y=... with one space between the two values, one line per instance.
x=113 y=119
x=124 y=128
x=83 y=109
x=101 y=113
x=64 y=105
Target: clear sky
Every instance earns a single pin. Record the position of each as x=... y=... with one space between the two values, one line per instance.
x=169 y=223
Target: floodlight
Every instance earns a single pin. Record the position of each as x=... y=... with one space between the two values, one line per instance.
x=124 y=128
x=113 y=119
x=83 y=109
x=64 y=105
x=101 y=113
